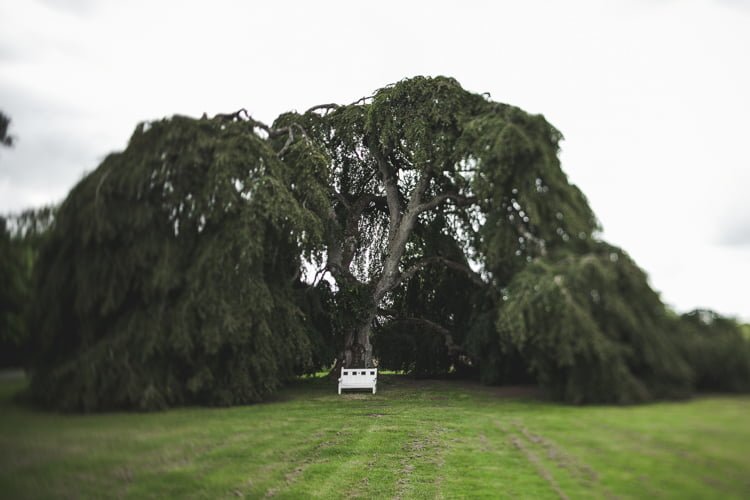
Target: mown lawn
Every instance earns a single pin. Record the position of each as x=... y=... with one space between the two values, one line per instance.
x=412 y=440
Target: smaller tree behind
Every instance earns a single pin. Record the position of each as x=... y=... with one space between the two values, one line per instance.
x=716 y=349
x=14 y=294
x=21 y=236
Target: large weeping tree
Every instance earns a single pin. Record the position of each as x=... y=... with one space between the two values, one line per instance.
x=427 y=175
x=456 y=241
x=424 y=228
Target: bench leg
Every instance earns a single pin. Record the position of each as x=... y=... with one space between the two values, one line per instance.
x=339 y=389
x=373 y=389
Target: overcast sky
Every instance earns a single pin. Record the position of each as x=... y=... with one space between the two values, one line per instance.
x=651 y=95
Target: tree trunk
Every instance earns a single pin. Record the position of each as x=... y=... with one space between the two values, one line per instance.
x=357 y=346
x=358 y=349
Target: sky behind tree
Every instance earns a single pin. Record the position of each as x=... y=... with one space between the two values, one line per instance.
x=650 y=95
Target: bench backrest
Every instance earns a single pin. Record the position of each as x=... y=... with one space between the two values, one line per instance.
x=359 y=373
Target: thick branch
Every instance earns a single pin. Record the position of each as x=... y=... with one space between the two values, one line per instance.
x=388 y=177
x=400 y=231
x=415 y=200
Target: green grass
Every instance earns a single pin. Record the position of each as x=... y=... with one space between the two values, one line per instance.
x=412 y=440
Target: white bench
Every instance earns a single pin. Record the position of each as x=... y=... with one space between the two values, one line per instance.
x=358 y=378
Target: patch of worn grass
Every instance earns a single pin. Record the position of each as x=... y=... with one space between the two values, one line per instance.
x=426 y=439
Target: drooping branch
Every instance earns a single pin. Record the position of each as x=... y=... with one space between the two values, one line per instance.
x=524 y=231
x=328 y=107
x=452 y=264
x=351 y=229
x=440 y=329
x=435 y=202
x=243 y=115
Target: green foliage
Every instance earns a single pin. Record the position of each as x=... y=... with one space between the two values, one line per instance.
x=716 y=349
x=497 y=362
x=14 y=296
x=318 y=307
x=168 y=277
x=20 y=238
x=592 y=330
x=529 y=206
x=442 y=221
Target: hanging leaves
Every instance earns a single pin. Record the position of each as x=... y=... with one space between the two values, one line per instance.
x=169 y=271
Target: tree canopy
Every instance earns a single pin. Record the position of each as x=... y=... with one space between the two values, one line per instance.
x=169 y=273
x=427 y=174
x=425 y=228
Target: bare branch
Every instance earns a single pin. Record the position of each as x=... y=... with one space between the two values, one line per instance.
x=361 y=100
x=326 y=107
x=243 y=115
x=290 y=138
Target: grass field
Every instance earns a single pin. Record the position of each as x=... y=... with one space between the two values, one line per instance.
x=413 y=439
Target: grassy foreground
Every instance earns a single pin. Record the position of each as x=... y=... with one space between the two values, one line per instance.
x=412 y=440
